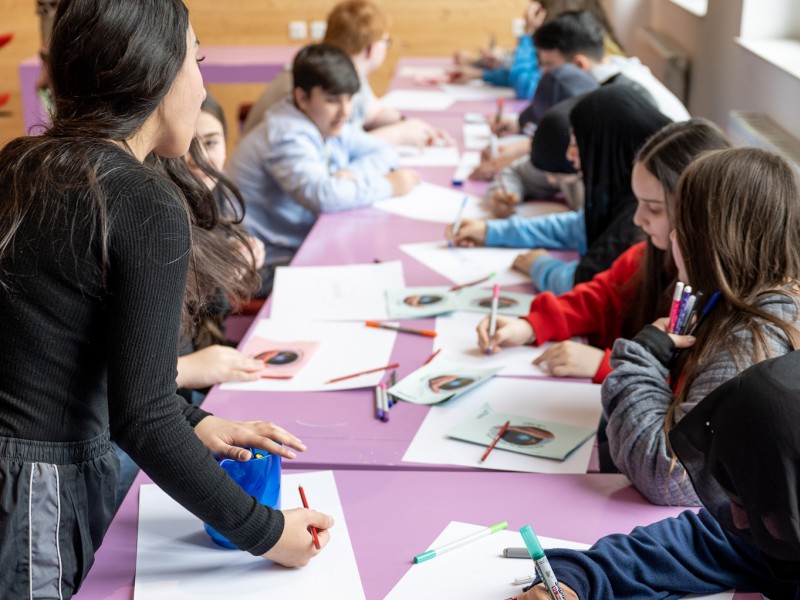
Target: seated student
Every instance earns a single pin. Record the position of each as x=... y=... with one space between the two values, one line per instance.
x=737 y=216
x=577 y=38
x=609 y=125
x=555 y=86
x=741 y=448
x=522 y=73
x=360 y=28
x=636 y=290
x=304 y=158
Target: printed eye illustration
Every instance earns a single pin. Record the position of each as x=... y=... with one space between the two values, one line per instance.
x=447 y=383
x=523 y=435
x=422 y=300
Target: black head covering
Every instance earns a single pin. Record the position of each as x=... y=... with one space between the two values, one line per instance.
x=550 y=142
x=609 y=125
x=744 y=439
x=556 y=85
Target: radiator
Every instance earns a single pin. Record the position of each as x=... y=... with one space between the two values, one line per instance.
x=666 y=59
x=756 y=129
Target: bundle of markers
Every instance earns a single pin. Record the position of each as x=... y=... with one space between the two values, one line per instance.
x=383 y=400
x=684 y=307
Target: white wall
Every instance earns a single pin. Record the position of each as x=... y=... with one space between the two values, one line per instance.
x=724 y=76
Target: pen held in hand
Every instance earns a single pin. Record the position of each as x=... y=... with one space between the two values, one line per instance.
x=313 y=529
x=493 y=315
x=457 y=224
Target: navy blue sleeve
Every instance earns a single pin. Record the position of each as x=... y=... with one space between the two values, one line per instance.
x=689 y=554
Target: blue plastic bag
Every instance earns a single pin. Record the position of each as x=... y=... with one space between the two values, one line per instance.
x=260 y=477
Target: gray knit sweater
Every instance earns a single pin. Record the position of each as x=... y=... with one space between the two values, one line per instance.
x=636 y=398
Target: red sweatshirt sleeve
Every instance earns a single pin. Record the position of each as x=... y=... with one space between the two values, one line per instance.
x=590 y=309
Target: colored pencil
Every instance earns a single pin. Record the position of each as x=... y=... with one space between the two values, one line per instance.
x=305 y=505
x=500 y=433
x=400 y=328
x=391 y=366
x=431 y=357
x=455 y=288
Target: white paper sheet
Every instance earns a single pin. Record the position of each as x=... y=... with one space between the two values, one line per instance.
x=560 y=401
x=462 y=265
x=430 y=156
x=430 y=202
x=459 y=343
x=422 y=72
x=478 y=570
x=334 y=293
x=176 y=560
x=476 y=135
x=426 y=100
x=344 y=348
x=476 y=90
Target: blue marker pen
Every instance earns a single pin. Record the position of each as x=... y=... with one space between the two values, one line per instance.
x=541 y=562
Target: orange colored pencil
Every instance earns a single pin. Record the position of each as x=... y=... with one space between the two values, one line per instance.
x=400 y=328
x=391 y=366
x=305 y=505
x=500 y=433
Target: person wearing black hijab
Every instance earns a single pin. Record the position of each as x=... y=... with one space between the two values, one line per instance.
x=741 y=448
x=609 y=125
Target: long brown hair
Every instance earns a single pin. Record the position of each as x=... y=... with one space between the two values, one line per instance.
x=665 y=155
x=737 y=221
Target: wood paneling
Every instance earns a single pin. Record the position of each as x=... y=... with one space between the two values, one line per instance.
x=418 y=28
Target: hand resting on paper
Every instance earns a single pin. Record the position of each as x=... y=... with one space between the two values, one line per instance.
x=570 y=359
x=524 y=261
x=402 y=181
x=295 y=548
x=215 y=364
x=471 y=233
x=230 y=438
x=509 y=331
x=539 y=592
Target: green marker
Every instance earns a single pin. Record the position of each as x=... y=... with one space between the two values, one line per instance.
x=429 y=554
x=541 y=562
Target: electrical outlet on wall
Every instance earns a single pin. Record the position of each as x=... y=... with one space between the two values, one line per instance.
x=298 y=30
x=318 y=29
x=518 y=27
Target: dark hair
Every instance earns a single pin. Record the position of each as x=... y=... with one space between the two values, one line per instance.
x=111 y=66
x=571 y=33
x=325 y=66
x=665 y=155
x=595 y=7
x=212 y=107
x=551 y=140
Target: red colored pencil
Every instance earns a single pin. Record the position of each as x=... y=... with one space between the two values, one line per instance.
x=305 y=505
x=276 y=376
x=476 y=282
x=400 y=328
x=431 y=357
x=391 y=366
x=500 y=433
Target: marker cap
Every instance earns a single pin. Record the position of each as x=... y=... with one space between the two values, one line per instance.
x=427 y=555
x=532 y=542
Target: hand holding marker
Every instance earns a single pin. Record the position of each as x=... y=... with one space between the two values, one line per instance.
x=457 y=224
x=541 y=562
x=493 y=315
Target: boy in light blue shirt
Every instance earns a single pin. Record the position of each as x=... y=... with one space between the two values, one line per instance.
x=304 y=158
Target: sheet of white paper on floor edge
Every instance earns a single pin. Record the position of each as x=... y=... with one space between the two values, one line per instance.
x=559 y=401
x=344 y=348
x=478 y=570
x=458 y=339
x=462 y=265
x=176 y=560
x=334 y=293
x=430 y=156
x=424 y=100
x=431 y=202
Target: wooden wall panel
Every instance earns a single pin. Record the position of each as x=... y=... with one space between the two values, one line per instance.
x=419 y=28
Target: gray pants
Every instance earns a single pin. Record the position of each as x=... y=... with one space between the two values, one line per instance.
x=56 y=502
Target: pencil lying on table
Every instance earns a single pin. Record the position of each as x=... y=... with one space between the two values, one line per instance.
x=391 y=366
x=400 y=328
x=455 y=288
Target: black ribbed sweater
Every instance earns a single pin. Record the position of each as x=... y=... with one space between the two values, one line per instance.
x=79 y=354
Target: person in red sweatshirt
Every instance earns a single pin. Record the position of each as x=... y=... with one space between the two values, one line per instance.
x=637 y=288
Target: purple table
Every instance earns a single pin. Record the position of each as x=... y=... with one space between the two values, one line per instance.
x=222 y=64
x=386 y=534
